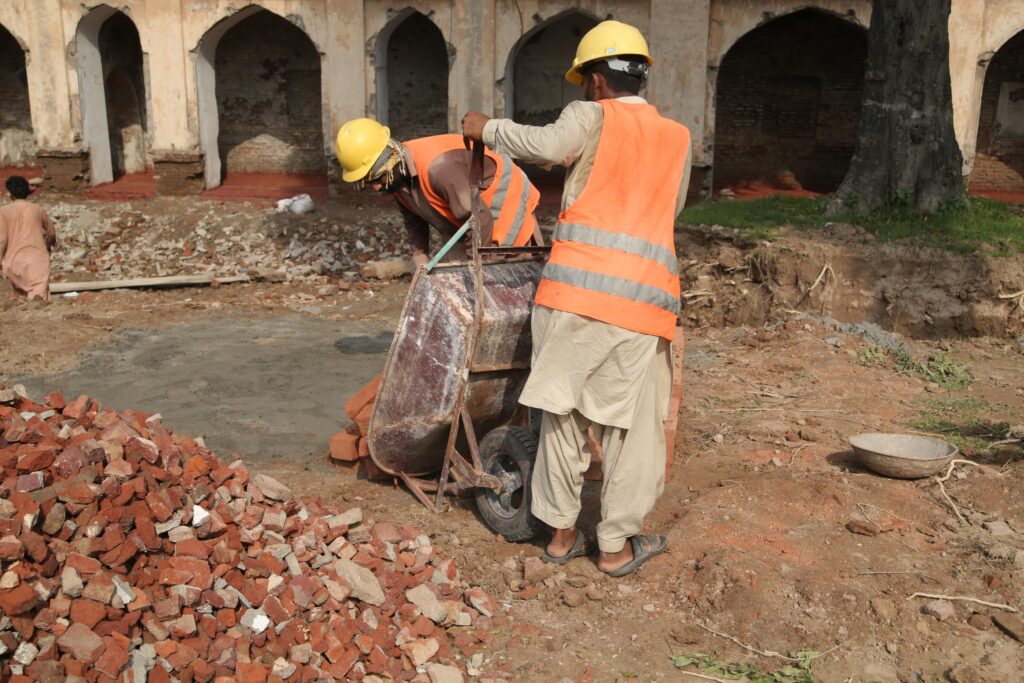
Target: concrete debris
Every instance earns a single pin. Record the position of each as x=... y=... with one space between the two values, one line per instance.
x=163 y=563
x=220 y=240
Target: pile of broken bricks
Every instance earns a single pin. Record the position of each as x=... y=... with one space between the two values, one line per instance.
x=129 y=552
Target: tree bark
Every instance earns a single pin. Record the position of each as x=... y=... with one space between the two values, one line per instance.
x=907 y=153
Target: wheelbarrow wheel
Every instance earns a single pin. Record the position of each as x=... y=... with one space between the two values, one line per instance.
x=508 y=454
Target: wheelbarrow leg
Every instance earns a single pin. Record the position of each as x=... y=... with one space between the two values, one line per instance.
x=417 y=491
x=474 y=446
x=453 y=434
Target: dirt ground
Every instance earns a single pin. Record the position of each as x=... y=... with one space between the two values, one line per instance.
x=761 y=562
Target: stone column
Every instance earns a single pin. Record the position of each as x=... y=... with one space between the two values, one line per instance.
x=61 y=156
x=967 y=74
x=177 y=162
x=678 y=83
x=471 y=86
x=344 y=81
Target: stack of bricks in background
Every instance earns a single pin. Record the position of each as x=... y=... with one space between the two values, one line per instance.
x=128 y=552
x=349 y=445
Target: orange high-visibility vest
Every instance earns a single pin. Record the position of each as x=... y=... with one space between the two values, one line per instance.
x=613 y=254
x=511 y=197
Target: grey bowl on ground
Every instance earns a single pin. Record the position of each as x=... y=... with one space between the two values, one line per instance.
x=904 y=456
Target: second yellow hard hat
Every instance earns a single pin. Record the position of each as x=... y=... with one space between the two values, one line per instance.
x=359 y=144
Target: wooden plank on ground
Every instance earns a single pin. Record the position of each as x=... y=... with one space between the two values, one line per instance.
x=168 y=281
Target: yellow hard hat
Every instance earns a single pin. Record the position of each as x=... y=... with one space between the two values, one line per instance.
x=607 y=40
x=359 y=144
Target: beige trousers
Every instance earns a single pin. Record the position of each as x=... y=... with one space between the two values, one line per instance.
x=633 y=463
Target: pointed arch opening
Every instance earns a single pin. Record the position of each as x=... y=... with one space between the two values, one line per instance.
x=17 y=144
x=536 y=89
x=999 y=162
x=112 y=92
x=535 y=86
x=258 y=77
x=411 y=73
x=788 y=105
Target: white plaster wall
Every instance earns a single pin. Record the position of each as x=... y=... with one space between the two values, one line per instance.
x=38 y=27
x=688 y=39
x=977 y=29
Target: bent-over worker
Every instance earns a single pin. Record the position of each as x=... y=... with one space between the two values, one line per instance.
x=608 y=300
x=429 y=178
x=26 y=239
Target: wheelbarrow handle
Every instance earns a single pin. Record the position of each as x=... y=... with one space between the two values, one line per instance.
x=476 y=168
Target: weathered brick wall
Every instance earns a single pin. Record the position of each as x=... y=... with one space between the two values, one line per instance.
x=124 y=86
x=999 y=164
x=16 y=143
x=417 y=70
x=268 y=98
x=789 y=99
x=539 y=88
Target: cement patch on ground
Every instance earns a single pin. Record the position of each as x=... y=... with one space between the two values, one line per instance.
x=265 y=388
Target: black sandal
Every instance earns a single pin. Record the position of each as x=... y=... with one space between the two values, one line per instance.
x=580 y=548
x=644 y=548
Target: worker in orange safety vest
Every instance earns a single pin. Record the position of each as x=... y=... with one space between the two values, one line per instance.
x=429 y=178
x=608 y=301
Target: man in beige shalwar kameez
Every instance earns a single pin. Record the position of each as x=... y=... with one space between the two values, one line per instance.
x=608 y=300
x=26 y=238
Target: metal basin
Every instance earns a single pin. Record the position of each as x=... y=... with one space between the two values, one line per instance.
x=903 y=456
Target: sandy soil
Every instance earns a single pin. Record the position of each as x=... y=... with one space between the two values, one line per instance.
x=756 y=507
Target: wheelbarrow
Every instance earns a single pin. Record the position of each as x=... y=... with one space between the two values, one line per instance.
x=457 y=364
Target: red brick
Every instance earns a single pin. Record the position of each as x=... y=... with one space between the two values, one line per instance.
x=160 y=505
x=80 y=641
x=54 y=400
x=87 y=612
x=113 y=659
x=75 y=492
x=251 y=672
x=79 y=407
x=192 y=547
x=362 y=398
x=344 y=446
x=11 y=548
x=18 y=600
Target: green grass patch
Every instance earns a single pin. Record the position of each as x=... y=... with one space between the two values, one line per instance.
x=964 y=421
x=996 y=226
x=797 y=672
x=939 y=367
x=936 y=367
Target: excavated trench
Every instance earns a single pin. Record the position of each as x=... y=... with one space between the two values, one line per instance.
x=920 y=292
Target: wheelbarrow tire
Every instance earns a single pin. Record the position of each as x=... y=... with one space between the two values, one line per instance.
x=508 y=453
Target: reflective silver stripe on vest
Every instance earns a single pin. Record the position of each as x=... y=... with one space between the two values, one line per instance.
x=609 y=284
x=577 y=232
x=517 y=223
x=507 y=168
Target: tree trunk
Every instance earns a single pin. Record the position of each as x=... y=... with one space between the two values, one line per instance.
x=907 y=152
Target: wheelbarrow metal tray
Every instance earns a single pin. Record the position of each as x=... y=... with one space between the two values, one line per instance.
x=424 y=372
